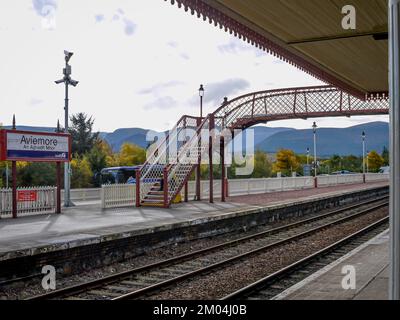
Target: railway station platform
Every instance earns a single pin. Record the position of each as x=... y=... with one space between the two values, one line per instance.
x=86 y=232
x=371 y=263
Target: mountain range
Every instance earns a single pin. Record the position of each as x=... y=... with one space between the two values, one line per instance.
x=341 y=141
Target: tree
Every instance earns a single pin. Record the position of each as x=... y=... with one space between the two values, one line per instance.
x=286 y=162
x=36 y=174
x=83 y=138
x=81 y=172
x=97 y=158
x=262 y=166
x=352 y=163
x=385 y=156
x=131 y=154
x=375 y=161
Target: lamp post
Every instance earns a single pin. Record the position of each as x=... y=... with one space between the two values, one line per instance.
x=363 y=153
x=199 y=121
x=201 y=95
x=67 y=81
x=314 y=126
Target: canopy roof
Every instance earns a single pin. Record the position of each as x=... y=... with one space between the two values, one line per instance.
x=309 y=34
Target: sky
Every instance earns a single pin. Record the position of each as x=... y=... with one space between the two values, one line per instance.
x=138 y=63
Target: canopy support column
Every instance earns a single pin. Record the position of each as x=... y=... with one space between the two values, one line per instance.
x=394 y=79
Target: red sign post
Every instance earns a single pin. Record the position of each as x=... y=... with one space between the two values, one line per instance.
x=16 y=145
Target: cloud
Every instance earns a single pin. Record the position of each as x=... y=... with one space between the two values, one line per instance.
x=215 y=92
x=44 y=7
x=165 y=102
x=173 y=44
x=185 y=56
x=35 y=101
x=130 y=27
x=157 y=88
x=99 y=17
x=235 y=46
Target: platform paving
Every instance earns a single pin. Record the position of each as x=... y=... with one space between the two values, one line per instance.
x=371 y=263
x=88 y=223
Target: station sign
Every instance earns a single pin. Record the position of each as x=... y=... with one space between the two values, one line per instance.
x=31 y=146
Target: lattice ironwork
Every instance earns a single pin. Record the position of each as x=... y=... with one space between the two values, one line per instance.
x=321 y=101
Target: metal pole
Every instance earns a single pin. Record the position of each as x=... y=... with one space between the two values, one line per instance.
x=363 y=158
x=315 y=154
x=14 y=181
x=210 y=157
x=198 y=171
x=58 y=178
x=7 y=175
x=394 y=80
x=67 y=81
x=137 y=200
x=66 y=164
x=165 y=187
x=58 y=172
x=201 y=107
x=222 y=154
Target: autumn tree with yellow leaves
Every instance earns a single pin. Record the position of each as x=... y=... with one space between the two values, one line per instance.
x=286 y=162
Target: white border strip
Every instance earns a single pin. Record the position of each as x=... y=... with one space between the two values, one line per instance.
x=327 y=268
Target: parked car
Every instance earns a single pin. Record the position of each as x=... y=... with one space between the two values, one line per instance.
x=342 y=172
x=125 y=174
x=385 y=169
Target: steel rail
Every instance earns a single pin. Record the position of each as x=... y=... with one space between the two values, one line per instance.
x=84 y=287
x=262 y=284
x=147 y=290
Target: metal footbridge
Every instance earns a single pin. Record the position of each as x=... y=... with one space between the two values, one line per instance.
x=172 y=160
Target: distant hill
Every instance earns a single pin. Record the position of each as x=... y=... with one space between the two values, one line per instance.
x=132 y=135
x=261 y=133
x=138 y=136
x=342 y=141
x=30 y=128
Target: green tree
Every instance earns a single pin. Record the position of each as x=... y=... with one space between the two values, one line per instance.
x=81 y=130
x=36 y=174
x=262 y=166
x=97 y=158
x=335 y=162
x=375 y=161
x=81 y=173
x=385 y=156
x=352 y=163
x=286 y=162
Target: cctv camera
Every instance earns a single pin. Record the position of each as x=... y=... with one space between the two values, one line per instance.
x=68 y=55
x=59 y=81
x=73 y=82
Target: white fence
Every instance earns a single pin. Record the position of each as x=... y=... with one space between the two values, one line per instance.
x=35 y=200
x=84 y=194
x=120 y=195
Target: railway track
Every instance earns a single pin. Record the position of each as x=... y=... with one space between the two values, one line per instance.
x=147 y=280
x=271 y=286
